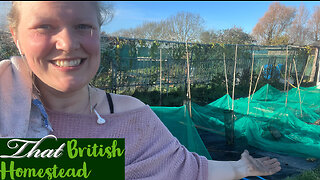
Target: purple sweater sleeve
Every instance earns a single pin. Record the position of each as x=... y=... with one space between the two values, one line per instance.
x=159 y=155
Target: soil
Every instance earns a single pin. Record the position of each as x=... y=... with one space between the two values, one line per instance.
x=219 y=150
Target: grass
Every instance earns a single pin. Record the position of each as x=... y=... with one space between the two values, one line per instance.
x=307 y=175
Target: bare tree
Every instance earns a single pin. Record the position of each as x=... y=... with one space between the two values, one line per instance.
x=298 y=30
x=271 y=28
x=314 y=24
x=130 y=33
x=184 y=27
x=151 y=30
x=148 y=30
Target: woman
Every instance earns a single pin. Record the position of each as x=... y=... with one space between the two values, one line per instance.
x=46 y=91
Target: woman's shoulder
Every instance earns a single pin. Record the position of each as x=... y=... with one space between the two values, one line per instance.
x=4 y=64
x=123 y=103
x=14 y=67
x=15 y=62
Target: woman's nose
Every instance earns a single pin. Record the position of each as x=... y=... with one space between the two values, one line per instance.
x=66 y=41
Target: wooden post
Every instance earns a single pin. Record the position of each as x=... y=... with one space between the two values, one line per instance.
x=168 y=80
x=114 y=76
x=295 y=67
x=226 y=76
x=234 y=75
x=318 y=73
x=285 y=74
x=314 y=65
x=304 y=69
x=188 y=81
x=250 y=82
x=160 y=74
x=254 y=90
x=288 y=85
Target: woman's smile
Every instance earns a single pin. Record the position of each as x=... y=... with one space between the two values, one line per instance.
x=68 y=64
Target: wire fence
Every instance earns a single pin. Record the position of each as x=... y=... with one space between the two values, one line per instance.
x=150 y=65
x=129 y=66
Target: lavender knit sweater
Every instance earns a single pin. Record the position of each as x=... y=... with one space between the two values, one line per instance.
x=152 y=153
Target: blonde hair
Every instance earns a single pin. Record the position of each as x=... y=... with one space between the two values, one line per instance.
x=104 y=13
x=13 y=15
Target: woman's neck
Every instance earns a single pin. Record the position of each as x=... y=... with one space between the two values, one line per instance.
x=75 y=102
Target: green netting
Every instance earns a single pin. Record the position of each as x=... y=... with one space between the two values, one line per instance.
x=179 y=123
x=282 y=122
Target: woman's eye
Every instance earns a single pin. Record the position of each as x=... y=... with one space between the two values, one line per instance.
x=84 y=27
x=44 y=27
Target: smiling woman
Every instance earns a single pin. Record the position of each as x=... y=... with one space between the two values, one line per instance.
x=59 y=44
x=46 y=91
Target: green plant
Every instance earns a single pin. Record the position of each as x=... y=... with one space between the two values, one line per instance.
x=307 y=175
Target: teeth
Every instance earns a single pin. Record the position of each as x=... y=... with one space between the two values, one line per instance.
x=67 y=63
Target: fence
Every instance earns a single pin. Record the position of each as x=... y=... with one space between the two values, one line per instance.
x=159 y=68
x=132 y=65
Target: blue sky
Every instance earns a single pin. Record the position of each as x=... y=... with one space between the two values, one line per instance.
x=217 y=14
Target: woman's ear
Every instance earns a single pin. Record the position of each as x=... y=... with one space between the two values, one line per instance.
x=14 y=35
x=15 y=39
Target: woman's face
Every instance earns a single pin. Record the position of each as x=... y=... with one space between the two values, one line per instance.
x=61 y=42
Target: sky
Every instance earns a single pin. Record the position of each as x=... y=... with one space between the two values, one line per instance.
x=218 y=15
